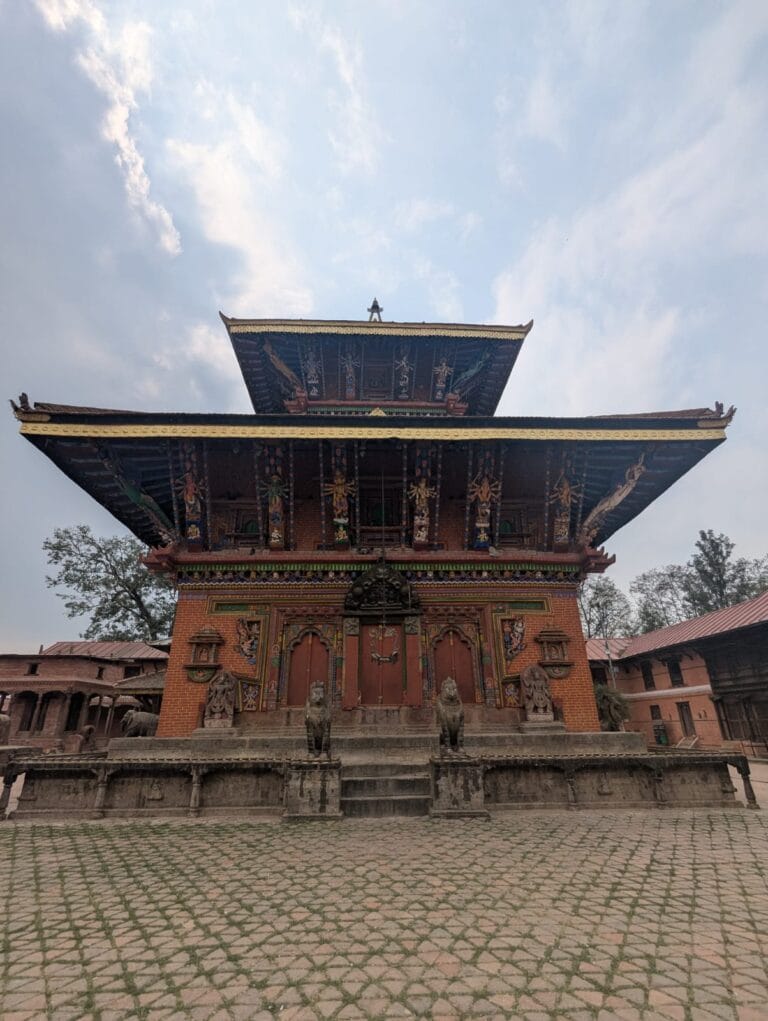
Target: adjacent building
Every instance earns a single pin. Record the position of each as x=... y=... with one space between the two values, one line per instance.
x=53 y=695
x=704 y=679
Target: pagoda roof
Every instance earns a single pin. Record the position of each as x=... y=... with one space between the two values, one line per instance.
x=87 y=444
x=271 y=353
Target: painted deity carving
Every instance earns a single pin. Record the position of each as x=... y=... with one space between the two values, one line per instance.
x=350 y=363
x=484 y=491
x=562 y=496
x=450 y=717
x=132 y=489
x=276 y=491
x=537 y=698
x=191 y=490
x=220 y=703
x=595 y=520
x=461 y=384
x=421 y=492
x=311 y=365
x=317 y=719
x=248 y=639
x=287 y=374
x=512 y=638
x=340 y=491
x=403 y=370
x=442 y=373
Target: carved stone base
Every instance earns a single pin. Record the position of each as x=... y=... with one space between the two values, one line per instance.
x=543 y=723
x=312 y=790
x=457 y=788
x=217 y=725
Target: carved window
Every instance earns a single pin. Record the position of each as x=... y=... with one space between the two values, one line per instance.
x=675 y=673
x=655 y=712
x=648 y=680
x=32 y=668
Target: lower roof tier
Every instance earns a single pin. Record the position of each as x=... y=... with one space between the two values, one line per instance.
x=278 y=483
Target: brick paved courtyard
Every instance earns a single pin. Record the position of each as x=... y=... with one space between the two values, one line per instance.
x=534 y=915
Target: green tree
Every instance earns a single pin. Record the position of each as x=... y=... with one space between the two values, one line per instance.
x=714 y=579
x=104 y=577
x=659 y=596
x=605 y=610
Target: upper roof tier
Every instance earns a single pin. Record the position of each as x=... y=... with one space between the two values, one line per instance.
x=307 y=366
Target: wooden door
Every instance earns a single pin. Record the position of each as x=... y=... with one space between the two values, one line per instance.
x=686 y=719
x=382 y=665
x=453 y=657
x=309 y=662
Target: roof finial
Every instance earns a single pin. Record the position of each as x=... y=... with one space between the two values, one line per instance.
x=375 y=311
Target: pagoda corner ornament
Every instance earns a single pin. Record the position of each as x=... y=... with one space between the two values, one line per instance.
x=553 y=652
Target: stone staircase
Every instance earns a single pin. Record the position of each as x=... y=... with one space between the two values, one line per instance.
x=385 y=788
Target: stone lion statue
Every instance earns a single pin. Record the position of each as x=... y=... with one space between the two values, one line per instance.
x=139 y=724
x=317 y=717
x=450 y=717
x=5 y=727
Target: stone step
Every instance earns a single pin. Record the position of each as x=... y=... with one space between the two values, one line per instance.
x=395 y=805
x=385 y=786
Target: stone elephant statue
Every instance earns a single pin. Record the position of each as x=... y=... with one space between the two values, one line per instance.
x=137 y=723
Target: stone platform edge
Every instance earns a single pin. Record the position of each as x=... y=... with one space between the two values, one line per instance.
x=89 y=787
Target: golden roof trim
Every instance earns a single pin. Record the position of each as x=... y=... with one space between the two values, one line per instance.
x=361 y=432
x=347 y=326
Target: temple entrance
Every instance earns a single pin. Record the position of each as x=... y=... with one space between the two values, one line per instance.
x=382 y=665
x=453 y=658
x=309 y=662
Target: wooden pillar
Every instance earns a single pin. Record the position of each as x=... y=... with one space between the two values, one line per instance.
x=208 y=500
x=62 y=725
x=36 y=714
x=110 y=717
x=404 y=496
x=438 y=486
x=414 y=690
x=174 y=489
x=547 y=492
x=356 y=450
x=257 y=486
x=83 y=717
x=291 y=477
x=467 y=501
x=500 y=476
x=322 y=494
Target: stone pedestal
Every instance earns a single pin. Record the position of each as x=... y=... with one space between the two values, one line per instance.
x=543 y=726
x=457 y=788
x=312 y=790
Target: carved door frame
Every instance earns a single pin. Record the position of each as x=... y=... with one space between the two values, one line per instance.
x=472 y=641
x=287 y=656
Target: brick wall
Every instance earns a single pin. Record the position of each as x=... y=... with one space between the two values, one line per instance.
x=183 y=698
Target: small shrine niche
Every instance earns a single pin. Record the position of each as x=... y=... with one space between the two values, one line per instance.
x=204 y=655
x=553 y=652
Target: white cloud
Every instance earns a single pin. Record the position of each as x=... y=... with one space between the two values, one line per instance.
x=442 y=290
x=119 y=65
x=411 y=214
x=543 y=111
x=355 y=137
x=269 y=280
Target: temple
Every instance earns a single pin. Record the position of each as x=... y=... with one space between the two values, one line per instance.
x=372 y=525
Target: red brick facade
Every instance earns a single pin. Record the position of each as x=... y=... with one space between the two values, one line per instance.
x=474 y=610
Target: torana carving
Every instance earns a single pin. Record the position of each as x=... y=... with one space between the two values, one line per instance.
x=382 y=590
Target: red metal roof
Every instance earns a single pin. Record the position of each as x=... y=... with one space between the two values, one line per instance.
x=596 y=648
x=105 y=650
x=732 y=618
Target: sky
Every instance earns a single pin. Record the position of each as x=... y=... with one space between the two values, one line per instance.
x=598 y=167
